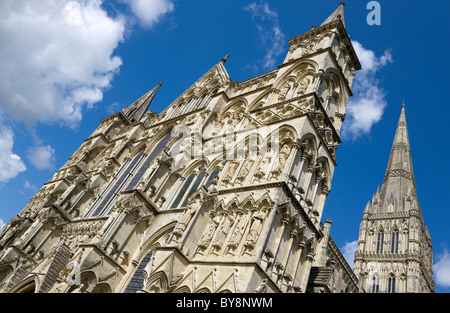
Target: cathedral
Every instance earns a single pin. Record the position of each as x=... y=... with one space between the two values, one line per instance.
x=222 y=192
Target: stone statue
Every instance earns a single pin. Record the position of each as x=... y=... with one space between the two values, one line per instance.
x=255 y=227
x=214 y=221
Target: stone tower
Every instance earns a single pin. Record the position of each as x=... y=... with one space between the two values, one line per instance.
x=394 y=251
x=223 y=191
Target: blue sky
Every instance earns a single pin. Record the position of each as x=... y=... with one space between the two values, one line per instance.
x=67 y=64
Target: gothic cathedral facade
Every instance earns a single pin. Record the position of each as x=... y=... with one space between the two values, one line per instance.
x=223 y=191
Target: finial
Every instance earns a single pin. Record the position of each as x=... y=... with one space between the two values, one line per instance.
x=342 y=3
x=224 y=59
x=403 y=105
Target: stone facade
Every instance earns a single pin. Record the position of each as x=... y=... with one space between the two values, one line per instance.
x=223 y=191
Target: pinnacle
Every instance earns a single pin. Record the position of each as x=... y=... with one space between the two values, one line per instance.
x=399 y=177
x=337 y=14
x=136 y=111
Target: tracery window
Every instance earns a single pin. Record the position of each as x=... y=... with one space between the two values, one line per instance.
x=394 y=242
x=137 y=281
x=128 y=175
x=380 y=240
x=375 y=284
x=391 y=284
x=192 y=184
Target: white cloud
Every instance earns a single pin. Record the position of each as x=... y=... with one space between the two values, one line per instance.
x=348 y=251
x=442 y=269
x=2 y=223
x=269 y=32
x=10 y=164
x=56 y=58
x=42 y=157
x=367 y=105
x=149 y=12
x=28 y=185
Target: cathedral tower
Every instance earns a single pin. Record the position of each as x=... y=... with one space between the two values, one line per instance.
x=223 y=191
x=394 y=251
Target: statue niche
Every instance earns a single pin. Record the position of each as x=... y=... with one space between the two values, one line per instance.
x=193 y=206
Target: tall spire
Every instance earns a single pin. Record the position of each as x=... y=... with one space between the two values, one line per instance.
x=136 y=111
x=399 y=178
x=337 y=14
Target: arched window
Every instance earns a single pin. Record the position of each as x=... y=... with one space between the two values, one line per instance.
x=117 y=183
x=211 y=177
x=175 y=112
x=380 y=240
x=129 y=174
x=200 y=102
x=394 y=242
x=194 y=187
x=141 y=171
x=188 y=106
x=137 y=281
x=391 y=284
x=375 y=284
x=183 y=191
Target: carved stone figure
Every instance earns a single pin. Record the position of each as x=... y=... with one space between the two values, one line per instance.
x=303 y=86
x=280 y=161
x=214 y=221
x=255 y=227
x=193 y=206
x=223 y=230
x=238 y=230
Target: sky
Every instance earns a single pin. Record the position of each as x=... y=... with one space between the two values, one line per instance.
x=65 y=65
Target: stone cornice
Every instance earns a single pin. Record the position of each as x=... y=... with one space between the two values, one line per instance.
x=394 y=215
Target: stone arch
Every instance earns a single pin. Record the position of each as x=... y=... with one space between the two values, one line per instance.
x=233 y=203
x=286 y=87
x=182 y=289
x=194 y=167
x=5 y=271
x=264 y=202
x=306 y=68
x=324 y=172
x=203 y=290
x=156 y=282
x=248 y=202
x=102 y=288
x=238 y=105
x=324 y=40
x=29 y=285
x=336 y=87
x=135 y=279
x=259 y=101
x=157 y=239
x=160 y=135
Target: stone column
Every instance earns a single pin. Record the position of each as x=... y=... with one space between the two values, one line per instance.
x=163 y=184
x=180 y=182
x=298 y=254
x=277 y=243
x=306 y=271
